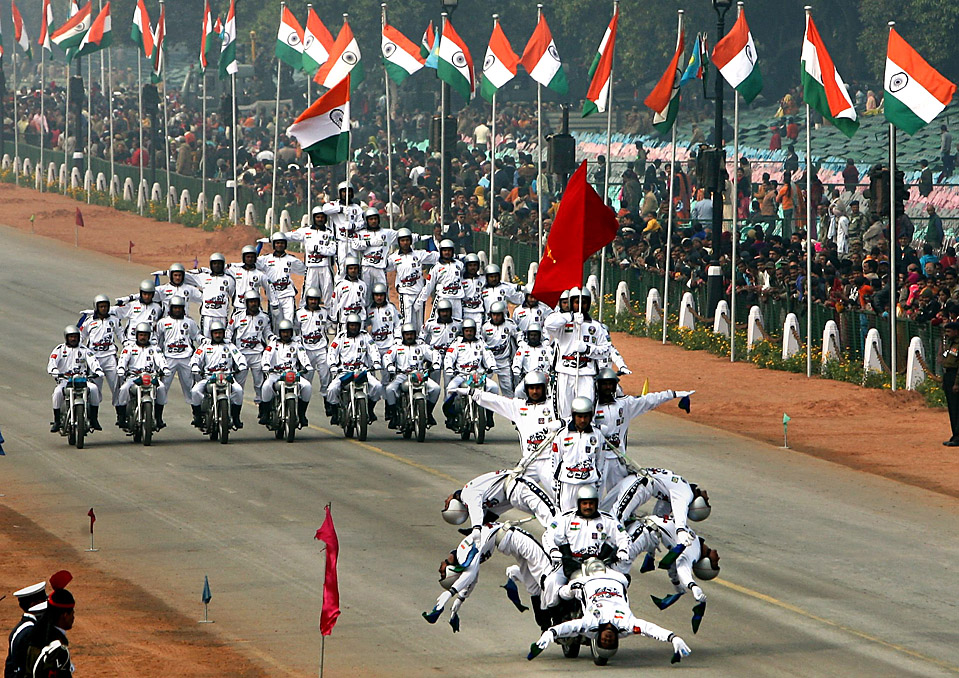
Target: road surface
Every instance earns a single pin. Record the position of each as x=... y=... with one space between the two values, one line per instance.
x=825 y=571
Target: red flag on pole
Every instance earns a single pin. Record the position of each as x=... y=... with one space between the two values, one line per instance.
x=79 y=218
x=331 y=591
x=93 y=519
x=583 y=226
x=131 y=247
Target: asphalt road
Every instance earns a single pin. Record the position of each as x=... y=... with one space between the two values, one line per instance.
x=825 y=571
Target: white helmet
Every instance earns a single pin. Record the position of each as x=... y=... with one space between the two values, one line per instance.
x=404 y=233
x=100 y=298
x=176 y=301
x=451 y=575
x=313 y=292
x=217 y=256
x=147 y=286
x=536 y=379
x=564 y=295
x=344 y=185
x=703 y=569
x=370 y=212
x=699 y=509
x=593 y=566
x=279 y=235
x=317 y=210
x=217 y=325
x=582 y=405
x=469 y=324
x=353 y=318
x=407 y=327
x=284 y=325
x=447 y=244
x=251 y=295
x=445 y=304
x=70 y=329
x=351 y=261
x=177 y=268
x=498 y=307
x=247 y=249
x=471 y=259
x=601 y=655
x=587 y=492
x=492 y=268
x=144 y=327
x=456 y=513
x=379 y=288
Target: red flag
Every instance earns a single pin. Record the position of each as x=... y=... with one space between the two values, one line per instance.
x=131 y=247
x=582 y=227
x=93 y=519
x=331 y=590
x=79 y=218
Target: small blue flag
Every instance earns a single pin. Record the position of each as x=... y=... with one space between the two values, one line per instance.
x=207 y=595
x=2 y=453
x=432 y=61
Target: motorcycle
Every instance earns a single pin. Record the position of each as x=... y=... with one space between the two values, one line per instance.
x=283 y=419
x=73 y=414
x=140 y=419
x=470 y=418
x=216 y=421
x=412 y=407
x=354 y=411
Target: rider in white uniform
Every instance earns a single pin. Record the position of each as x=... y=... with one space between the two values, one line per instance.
x=250 y=330
x=473 y=283
x=406 y=356
x=319 y=248
x=284 y=354
x=217 y=355
x=445 y=281
x=311 y=325
x=218 y=289
x=499 y=333
x=177 y=336
x=280 y=265
x=408 y=265
x=532 y=355
x=100 y=333
x=70 y=359
x=353 y=351
x=346 y=218
x=136 y=359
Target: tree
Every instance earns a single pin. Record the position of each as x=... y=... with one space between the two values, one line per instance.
x=928 y=25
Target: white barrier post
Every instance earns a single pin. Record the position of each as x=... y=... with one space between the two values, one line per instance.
x=76 y=179
x=721 y=320
x=830 y=343
x=872 y=361
x=653 y=305
x=592 y=284
x=915 y=375
x=790 y=332
x=128 y=190
x=101 y=182
x=286 y=222
x=531 y=273
x=249 y=215
x=184 y=201
x=508 y=268
x=156 y=193
x=484 y=259
x=218 y=206
x=622 y=298
x=754 y=328
x=686 y=308
x=234 y=213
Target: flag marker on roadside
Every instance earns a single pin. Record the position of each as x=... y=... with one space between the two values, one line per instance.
x=786 y=420
x=206 y=597
x=93 y=519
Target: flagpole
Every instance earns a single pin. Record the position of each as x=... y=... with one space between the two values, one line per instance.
x=309 y=161
x=276 y=132
x=43 y=117
x=670 y=211
x=236 y=193
x=539 y=148
x=492 y=171
x=443 y=104
x=113 y=195
x=893 y=243
x=66 y=134
x=140 y=121
x=203 y=138
x=349 y=131
x=166 y=123
x=809 y=217
x=16 y=119
x=389 y=132
x=734 y=182
x=90 y=127
x=609 y=162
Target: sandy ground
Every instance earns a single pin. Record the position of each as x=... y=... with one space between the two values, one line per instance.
x=120 y=629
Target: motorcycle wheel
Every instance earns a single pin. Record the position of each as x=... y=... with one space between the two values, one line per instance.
x=480 y=425
x=346 y=416
x=132 y=424
x=147 y=425
x=80 y=419
x=291 y=420
x=361 y=420
x=70 y=428
x=403 y=422
x=571 y=648
x=420 y=420
x=224 y=424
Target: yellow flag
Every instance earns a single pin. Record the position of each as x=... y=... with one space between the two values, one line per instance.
x=646 y=386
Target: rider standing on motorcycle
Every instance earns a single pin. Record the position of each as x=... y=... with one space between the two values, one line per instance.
x=279 y=265
x=353 y=351
x=311 y=324
x=217 y=355
x=445 y=279
x=349 y=294
x=473 y=283
x=319 y=247
x=139 y=358
x=250 y=331
x=408 y=264
x=139 y=309
x=248 y=277
x=383 y=321
x=177 y=287
x=373 y=243
x=100 y=333
x=70 y=359
x=284 y=354
x=346 y=218
x=499 y=333
x=177 y=337
x=494 y=290
x=406 y=356
x=531 y=311
x=218 y=287
x=464 y=358
x=577 y=455
x=440 y=333
x=532 y=355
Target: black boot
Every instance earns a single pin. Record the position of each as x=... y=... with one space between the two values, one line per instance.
x=430 y=421
x=94 y=420
x=197 y=415
x=489 y=420
x=542 y=617
x=55 y=424
x=370 y=406
x=158 y=422
x=334 y=414
x=263 y=413
x=391 y=416
x=235 y=411
x=121 y=415
x=449 y=409
x=301 y=406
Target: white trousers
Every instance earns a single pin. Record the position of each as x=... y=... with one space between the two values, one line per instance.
x=198 y=391
x=374 y=389
x=282 y=309
x=93 y=394
x=567 y=388
x=123 y=395
x=267 y=392
x=412 y=310
x=532 y=563
x=207 y=320
x=628 y=495
x=108 y=363
x=320 y=277
x=320 y=367
x=393 y=389
x=254 y=368
x=179 y=367
x=372 y=276
x=504 y=374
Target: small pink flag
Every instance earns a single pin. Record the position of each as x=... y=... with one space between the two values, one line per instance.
x=331 y=591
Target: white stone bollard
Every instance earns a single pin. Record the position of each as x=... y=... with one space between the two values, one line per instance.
x=915 y=375
x=268 y=219
x=592 y=284
x=286 y=222
x=128 y=189
x=508 y=268
x=27 y=167
x=654 y=307
x=484 y=259
x=185 y=201
x=830 y=343
x=790 y=330
x=721 y=319
x=156 y=193
x=304 y=221
x=17 y=166
x=686 y=308
x=872 y=362
x=171 y=200
x=249 y=215
x=531 y=274
x=101 y=182
x=38 y=178
x=114 y=187
x=622 y=298
x=234 y=214
x=6 y=163
x=76 y=179
x=143 y=191
x=52 y=172
x=63 y=174
x=754 y=328
x=218 y=206
x=201 y=204
x=88 y=181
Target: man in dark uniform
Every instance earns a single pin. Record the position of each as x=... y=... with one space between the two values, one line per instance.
x=16 y=644
x=48 y=652
x=950 y=385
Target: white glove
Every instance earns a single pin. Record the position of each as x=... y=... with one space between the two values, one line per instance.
x=545 y=639
x=475 y=536
x=578 y=317
x=462 y=390
x=684 y=537
x=625 y=371
x=697 y=592
x=580 y=347
x=680 y=647
x=683 y=394
x=158 y=273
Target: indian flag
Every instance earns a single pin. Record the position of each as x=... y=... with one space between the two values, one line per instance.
x=46 y=26
x=454 y=64
x=208 y=37
x=598 y=94
x=289 y=40
x=344 y=60
x=735 y=57
x=228 y=65
x=69 y=36
x=20 y=31
x=541 y=59
x=427 y=41
x=159 y=40
x=323 y=129
x=664 y=99
x=823 y=89
x=610 y=33
x=499 y=66
x=141 y=33
x=100 y=35
x=317 y=43
x=401 y=56
x=915 y=92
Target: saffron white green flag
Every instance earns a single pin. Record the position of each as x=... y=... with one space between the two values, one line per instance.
x=289 y=40
x=323 y=129
x=541 y=59
x=454 y=63
x=735 y=57
x=344 y=60
x=228 y=65
x=401 y=56
x=915 y=91
x=823 y=89
x=499 y=66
